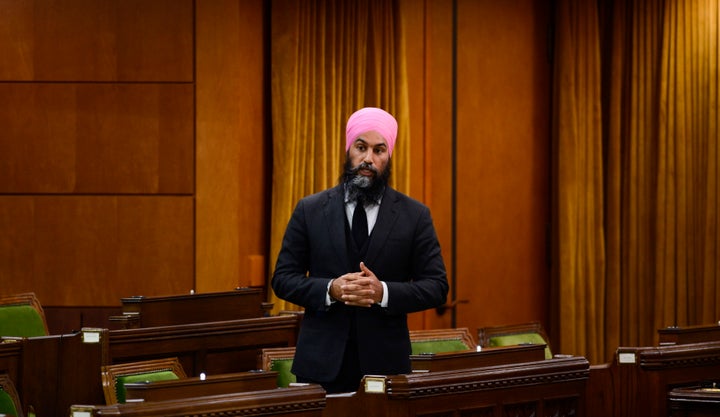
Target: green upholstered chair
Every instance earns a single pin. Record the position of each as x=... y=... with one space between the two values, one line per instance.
x=22 y=315
x=279 y=360
x=9 y=399
x=515 y=334
x=441 y=340
x=114 y=377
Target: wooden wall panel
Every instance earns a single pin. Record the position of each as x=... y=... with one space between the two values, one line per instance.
x=96 y=138
x=428 y=25
x=503 y=151
x=233 y=145
x=97 y=40
x=98 y=149
x=92 y=250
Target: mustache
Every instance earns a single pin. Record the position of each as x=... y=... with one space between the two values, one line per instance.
x=364 y=165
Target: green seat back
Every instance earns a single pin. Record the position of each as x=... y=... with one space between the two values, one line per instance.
x=438 y=346
x=120 y=382
x=519 y=339
x=285 y=376
x=21 y=321
x=7 y=406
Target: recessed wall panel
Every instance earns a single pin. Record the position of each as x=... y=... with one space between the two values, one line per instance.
x=97 y=138
x=96 y=40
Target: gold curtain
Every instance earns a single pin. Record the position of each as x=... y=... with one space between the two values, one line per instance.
x=654 y=262
x=578 y=180
x=329 y=58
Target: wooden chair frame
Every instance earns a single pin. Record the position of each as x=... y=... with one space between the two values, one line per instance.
x=110 y=373
x=27 y=298
x=7 y=385
x=268 y=355
x=486 y=333
x=459 y=333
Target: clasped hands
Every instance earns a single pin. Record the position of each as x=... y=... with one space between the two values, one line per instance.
x=360 y=289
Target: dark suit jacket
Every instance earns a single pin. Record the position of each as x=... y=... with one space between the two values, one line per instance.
x=403 y=251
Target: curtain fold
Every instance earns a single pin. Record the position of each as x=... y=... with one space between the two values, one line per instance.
x=578 y=179
x=655 y=262
x=328 y=59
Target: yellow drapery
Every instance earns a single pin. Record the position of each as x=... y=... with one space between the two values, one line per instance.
x=329 y=58
x=636 y=201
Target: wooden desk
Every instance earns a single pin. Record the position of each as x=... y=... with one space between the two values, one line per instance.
x=689 y=334
x=214 y=348
x=542 y=388
x=59 y=370
x=304 y=401
x=11 y=357
x=197 y=387
x=241 y=303
x=694 y=402
x=473 y=359
x=638 y=380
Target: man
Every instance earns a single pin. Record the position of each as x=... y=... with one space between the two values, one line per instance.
x=358 y=290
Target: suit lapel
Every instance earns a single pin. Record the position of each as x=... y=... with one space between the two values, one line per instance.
x=383 y=225
x=334 y=212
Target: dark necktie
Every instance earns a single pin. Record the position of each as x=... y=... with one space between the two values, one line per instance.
x=359 y=224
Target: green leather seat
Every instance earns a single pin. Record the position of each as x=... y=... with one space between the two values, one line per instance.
x=21 y=315
x=285 y=376
x=438 y=346
x=519 y=339
x=162 y=375
x=515 y=334
x=7 y=405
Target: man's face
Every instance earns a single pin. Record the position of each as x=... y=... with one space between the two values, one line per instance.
x=371 y=149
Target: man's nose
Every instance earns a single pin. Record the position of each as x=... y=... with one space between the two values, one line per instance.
x=368 y=157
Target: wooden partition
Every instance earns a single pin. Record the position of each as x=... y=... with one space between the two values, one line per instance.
x=53 y=372
x=11 y=357
x=638 y=380
x=474 y=359
x=213 y=347
x=675 y=335
x=694 y=402
x=542 y=388
x=201 y=386
x=303 y=401
x=241 y=303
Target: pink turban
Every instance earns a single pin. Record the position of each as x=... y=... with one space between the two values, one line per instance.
x=371 y=119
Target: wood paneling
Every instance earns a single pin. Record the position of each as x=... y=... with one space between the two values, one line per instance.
x=86 y=250
x=503 y=157
x=97 y=40
x=232 y=144
x=96 y=138
x=429 y=64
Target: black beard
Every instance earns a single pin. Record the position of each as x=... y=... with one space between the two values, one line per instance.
x=370 y=188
